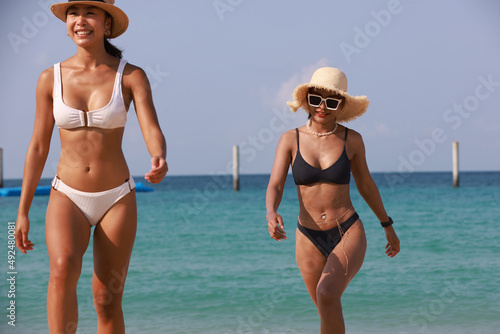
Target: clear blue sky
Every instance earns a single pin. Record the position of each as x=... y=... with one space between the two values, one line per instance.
x=222 y=72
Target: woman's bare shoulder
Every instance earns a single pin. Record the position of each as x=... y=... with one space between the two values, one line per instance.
x=287 y=142
x=289 y=137
x=354 y=137
x=133 y=70
x=48 y=73
x=46 y=79
x=135 y=77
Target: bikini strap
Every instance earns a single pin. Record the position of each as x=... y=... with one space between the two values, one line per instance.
x=121 y=66
x=345 y=139
x=131 y=183
x=297 y=131
x=55 y=182
x=119 y=78
x=56 y=92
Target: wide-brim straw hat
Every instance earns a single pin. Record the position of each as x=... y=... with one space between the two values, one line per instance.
x=120 y=19
x=334 y=80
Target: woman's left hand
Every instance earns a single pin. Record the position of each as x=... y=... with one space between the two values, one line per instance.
x=159 y=169
x=392 y=247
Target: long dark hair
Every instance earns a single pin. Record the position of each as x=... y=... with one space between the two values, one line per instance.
x=112 y=50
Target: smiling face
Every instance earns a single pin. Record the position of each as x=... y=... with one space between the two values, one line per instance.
x=87 y=24
x=321 y=113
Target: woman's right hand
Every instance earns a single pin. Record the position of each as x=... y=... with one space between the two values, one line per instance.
x=275 y=226
x=21 y=233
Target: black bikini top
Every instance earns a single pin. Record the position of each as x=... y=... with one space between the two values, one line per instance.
x=338 y=173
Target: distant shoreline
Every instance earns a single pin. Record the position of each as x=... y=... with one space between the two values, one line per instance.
x=267 y=174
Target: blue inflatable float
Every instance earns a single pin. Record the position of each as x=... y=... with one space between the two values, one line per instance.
x=45 y=190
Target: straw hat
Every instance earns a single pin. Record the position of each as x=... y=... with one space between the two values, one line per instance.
x=334 y=80
x=120 y=19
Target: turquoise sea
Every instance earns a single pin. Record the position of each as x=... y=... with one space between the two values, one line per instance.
x=203 y=261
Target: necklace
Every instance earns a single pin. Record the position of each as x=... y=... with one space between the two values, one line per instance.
x=308 y=124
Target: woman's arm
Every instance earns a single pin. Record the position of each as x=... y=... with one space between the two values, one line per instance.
x=276 y=184
x=36 y=156
x=148 y=120
x=369 y=191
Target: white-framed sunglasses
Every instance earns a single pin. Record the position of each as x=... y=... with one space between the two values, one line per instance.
x=315 y=100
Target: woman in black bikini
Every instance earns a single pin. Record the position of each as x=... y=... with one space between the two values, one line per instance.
x=330 y=238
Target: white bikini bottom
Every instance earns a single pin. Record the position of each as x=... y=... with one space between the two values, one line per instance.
x=94 y=205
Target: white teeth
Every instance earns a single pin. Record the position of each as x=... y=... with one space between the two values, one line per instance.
x=86 y=32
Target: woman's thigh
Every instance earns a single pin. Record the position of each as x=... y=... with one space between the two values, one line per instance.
x=67 y=231
x=310 y=262
x=114 y=238
x=344 y=262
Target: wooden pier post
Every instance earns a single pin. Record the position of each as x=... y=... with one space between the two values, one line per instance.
x=1 y=168
x=236 y=168
x=456 y=177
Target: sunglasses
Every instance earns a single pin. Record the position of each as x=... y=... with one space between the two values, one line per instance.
x=316 y=100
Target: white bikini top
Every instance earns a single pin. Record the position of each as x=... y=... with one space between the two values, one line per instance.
x=112 y=116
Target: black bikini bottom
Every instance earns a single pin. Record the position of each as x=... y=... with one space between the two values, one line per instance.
x=326 y=241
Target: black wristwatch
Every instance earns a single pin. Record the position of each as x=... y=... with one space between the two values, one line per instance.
x=388 y=223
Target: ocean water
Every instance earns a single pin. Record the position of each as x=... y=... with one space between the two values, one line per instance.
x=203 y=261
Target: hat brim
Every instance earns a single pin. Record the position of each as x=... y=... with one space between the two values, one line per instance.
x=120 y=19
x=354 y=106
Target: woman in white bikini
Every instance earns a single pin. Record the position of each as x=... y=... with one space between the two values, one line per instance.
x=87 y=97
x=330 y=239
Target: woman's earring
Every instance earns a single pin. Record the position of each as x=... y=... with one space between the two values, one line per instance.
x=107 y=33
